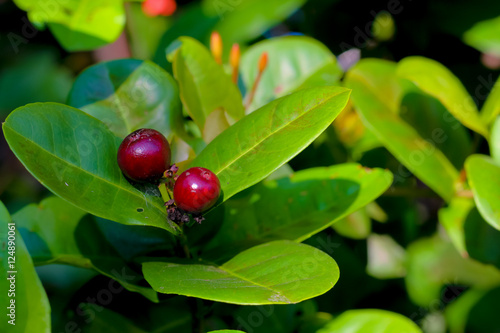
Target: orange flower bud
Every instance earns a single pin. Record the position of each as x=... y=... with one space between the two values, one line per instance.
x=216 y=46
x=263 y=62
x=234 y=56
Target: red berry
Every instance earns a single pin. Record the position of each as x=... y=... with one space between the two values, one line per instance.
x=159 y=7
x=196 y=190
x=144 y=155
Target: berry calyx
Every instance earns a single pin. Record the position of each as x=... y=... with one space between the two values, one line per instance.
x=196 y=190
x=144 y=155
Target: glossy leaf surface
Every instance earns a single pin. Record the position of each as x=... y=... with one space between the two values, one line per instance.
x=280 y=272
x=129 y=94
x=73 y=155
x=261 y=142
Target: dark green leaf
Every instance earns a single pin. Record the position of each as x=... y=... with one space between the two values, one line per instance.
x=295 y=207
x=74 y=155
x=481 y=239
x=129 y=94
x=19 y=282
x=370 y=321
x=260 y=143
x=279 y=272
x=292 y=61
x=33 y=78
x=484 y=178
x=378 y=112
x=56 y=233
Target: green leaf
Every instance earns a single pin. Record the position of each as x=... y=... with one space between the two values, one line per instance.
x=24 y=292
x=56 y=232
x=295 y=207
x=193 y=21
x=481 y=239
x=243 y=20
x=495 y=140
x=484 y=36
x=457 y=312
x=226 y=331
x=370 y=321
x=78 y=25
x=484 y=178
x=33 y=77
x=378 y=112
x=280 y=272
x=453 y=218
x=129 y=94
x=261 y=142
x=204 y=86
x=433 y=262
x=292 y=60
x=111 y=322
x=49 y=231
x=436 y=80
x=434 y=123
x=491 y=107
x=74 y=156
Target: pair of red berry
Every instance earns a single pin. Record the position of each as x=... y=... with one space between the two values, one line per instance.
x=144 y=156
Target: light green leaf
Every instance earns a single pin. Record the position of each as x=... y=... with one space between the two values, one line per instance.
x=261 y=142
x=433 y=262
x=74 y=155
x=370 y=321
x=491 y=107
x=485 y=36
x=495 y=140
x=78 y=25
x=20 y=285
x=291 y=61
x=129 y=94
x=378 y=112
x=204 y=86
x=243 y=20
x=484 y=178
x=438 y=81
x=452 y=218
x=280 y=272
x=226 y=331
